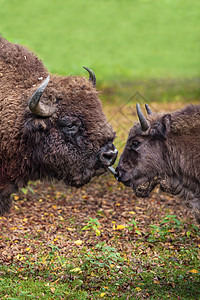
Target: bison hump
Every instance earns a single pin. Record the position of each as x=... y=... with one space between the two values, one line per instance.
x=19 y=67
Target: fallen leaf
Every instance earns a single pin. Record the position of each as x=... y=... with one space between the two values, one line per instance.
x=193 y=271
x=120 y=227
x=70 y=229
x=76 y=270
x=78 y=242
x=102 y=295
x=98 y=232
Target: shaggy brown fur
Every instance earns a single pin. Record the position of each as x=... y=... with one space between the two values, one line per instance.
x=65 y=146
x=167 y=153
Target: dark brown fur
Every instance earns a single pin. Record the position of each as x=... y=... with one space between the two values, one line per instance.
x=33 y=147
x=168 y=154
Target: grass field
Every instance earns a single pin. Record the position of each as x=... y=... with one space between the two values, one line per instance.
x=120 y=40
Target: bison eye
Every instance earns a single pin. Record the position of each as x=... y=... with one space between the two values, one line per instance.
x=69 y=125
x=134 y=145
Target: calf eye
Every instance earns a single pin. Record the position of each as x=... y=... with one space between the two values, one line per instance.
x=70 y=126
x=134 y=145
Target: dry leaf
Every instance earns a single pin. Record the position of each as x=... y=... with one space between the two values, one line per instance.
x=120 y=227
x=78 y=242
x=138 y=289
x=102 y=295
x=193 y=271
x=76 y=270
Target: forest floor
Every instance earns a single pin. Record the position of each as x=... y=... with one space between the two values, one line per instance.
x=99 y=241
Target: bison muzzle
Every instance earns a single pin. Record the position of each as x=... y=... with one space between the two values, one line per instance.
x=50 y=127
x=164 y=149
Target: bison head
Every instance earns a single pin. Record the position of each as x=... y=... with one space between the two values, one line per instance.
x=66 y=135
x=142 y=161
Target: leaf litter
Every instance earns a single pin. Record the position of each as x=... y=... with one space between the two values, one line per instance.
x=67 y=222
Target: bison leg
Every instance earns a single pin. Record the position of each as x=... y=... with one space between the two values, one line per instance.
x=5 y=199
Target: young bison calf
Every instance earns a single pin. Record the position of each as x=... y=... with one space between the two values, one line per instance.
x=164 y=149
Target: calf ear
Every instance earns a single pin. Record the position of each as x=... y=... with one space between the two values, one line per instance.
x=162 y=128
x=166 y=124
x=166 y=120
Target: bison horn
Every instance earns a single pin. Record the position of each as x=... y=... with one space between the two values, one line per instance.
x=92 y=77
x=148 y=109
x=143 y=121
x=34 y=104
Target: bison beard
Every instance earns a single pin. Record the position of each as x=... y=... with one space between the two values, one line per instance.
x=50 y=127
x=164 y=149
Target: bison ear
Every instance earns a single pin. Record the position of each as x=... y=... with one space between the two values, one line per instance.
x=37 y=125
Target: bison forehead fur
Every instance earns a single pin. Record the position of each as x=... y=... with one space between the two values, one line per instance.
x=64 y=145
x=166 y=153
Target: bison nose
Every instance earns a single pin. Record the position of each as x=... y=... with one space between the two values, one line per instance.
x=108 y=155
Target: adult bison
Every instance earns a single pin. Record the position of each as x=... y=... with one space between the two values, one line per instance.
x=50 y=127
x=164 y=149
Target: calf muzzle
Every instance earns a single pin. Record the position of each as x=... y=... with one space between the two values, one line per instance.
x=122 y=176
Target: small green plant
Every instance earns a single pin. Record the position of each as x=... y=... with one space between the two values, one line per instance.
x=133 y=226
x=193 y=230
x=93 y=224
x=169 y=223
x=28 y=188
x=102 y=256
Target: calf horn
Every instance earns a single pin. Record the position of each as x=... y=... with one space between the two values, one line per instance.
x=92 y=76
x=148 y=109
x=143 y=121
x=34 y=104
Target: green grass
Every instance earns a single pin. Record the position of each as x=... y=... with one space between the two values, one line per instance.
x=163 y=264
x=159 y=267
x=152 y=91
x=120 y=40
